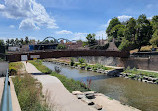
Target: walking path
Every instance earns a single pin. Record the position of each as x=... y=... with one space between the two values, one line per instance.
x=1 y=88
x=58 y=95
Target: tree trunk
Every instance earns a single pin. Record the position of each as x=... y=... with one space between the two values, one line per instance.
x=139 y=49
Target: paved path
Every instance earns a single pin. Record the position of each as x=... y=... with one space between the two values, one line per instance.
x=1 y=88
x=58 y=95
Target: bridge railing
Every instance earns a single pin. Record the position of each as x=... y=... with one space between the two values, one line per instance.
x=6 y=102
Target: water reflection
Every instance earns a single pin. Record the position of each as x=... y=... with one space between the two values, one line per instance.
x=141 y=95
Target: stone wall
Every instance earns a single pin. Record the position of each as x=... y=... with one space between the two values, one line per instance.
x=146 y=63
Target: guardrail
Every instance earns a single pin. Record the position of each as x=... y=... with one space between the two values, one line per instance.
x=6 y=102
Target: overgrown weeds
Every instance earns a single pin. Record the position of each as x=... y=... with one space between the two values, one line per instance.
x=14 y=67
x=39 y=66
x=29 y=92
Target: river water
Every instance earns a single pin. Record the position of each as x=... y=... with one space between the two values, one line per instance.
x=140 y=95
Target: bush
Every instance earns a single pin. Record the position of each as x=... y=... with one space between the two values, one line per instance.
x=14 y=67
x=72 y=62
x=61 y=46
x=81 y=60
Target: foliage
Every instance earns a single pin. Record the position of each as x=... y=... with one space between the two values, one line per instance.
x=126 y=45
x=101 y=47
x=72 y=62
x=38 y=64
x=145 y=73
x=1 y=42
x=70 y=84
x=26 y=40
x=81 y=60
x=91 y=40
x=14 y=67
x=28 y=93
x=61 y=46
x=115 y=21
x=154 y=39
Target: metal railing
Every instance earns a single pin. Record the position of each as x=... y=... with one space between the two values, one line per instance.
x=6 y=102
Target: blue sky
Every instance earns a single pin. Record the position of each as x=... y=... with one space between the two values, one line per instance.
x=71 y=19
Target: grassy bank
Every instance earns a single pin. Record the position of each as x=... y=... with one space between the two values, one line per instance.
x=70 y=84
x=139 y=72
x=28 y=91
x=38 y=64
x=14 y=67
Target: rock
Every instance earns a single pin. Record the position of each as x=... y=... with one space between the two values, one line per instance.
x=144 y=80
x=90 y=96
x=87 y=101
x=89 y=92
x=98 y=107
x=77 y=93
x=80 y=96
x=151 y=82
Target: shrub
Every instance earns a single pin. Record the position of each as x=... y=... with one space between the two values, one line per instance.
x=81 y=60
x=72 y=62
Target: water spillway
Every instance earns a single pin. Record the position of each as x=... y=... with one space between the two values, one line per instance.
x=134 y=93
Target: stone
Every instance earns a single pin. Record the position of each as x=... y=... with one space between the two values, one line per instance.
x=77 y=93
x=90 y=96
x=98 y=107
x=80 y=96
x=89 y=92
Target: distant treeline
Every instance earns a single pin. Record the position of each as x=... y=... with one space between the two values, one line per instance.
x=134 y=33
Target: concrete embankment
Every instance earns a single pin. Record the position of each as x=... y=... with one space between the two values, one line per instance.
x=62 y=99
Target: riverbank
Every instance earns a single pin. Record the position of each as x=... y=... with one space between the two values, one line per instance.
x=109 y=104
x=135 y=74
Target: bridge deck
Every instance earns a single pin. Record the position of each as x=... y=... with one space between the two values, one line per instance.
x=16 y=56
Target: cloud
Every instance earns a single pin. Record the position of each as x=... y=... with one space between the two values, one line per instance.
x=101 y=34
x=33 y=14
x=12 y=26
x=124 y=18
x=64 y=32
x=79 y=36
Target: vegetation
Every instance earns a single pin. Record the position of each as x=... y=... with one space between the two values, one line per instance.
x=29 y=91
x=91 y=40
x=139 y=72
x=81 y=60
x=14 y=67
x=38 y=64
x=72 y=62
x=70 y=84
x=134 y=33
x=61 y=46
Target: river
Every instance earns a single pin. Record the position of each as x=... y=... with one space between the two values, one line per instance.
x=143 y=96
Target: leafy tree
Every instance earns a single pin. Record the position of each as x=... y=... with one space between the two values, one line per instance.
x=2 y=42
x=154 y=39
x=91 y=39
x=118 y=31
x=143 y=31
x=115 y=21
x=130 y=31
x=126 y=45
x=7 y=42
x=12 y=42
x=61 y=46
x=21 y=41
x=81 y=60
x=154 y=22
x=26 y=40
x=16 y=41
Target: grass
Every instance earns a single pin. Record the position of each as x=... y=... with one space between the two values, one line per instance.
x=38 y=64
x=14 y=67
x=139 y=72
x=29 y=91
x=70 y=84
x=143 y=49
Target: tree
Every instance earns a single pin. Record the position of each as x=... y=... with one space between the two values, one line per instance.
x=26 y=40
x=7 y=42
x=115 y=21
x=2 y=43
x=16 y=41
x=21 y=41
x=154 y=22
x=91 y=39
x=143 y=31
x=130 y=31
x=126 y=45
x=12 y=42
x=154 y=39
x=61 y=46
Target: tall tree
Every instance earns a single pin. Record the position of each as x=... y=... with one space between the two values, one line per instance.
x=143 y=31
x=16 y=41
x=2 y=42
x=12 y=42
x=26 y=40
x=115 y=21
x=91 y=39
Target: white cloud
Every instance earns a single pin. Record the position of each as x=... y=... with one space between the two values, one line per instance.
x=124 y=18
x=79 y=36
x=64 y=32
x=33 y=14
x=12 y=26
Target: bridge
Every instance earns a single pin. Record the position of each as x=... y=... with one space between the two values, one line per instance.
x=43 y=54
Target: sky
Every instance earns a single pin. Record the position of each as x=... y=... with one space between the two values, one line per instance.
x=70 y=19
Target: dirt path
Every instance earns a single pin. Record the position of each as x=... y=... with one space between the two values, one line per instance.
x=58 y=95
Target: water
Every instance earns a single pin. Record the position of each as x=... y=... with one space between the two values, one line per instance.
x=140 y=95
